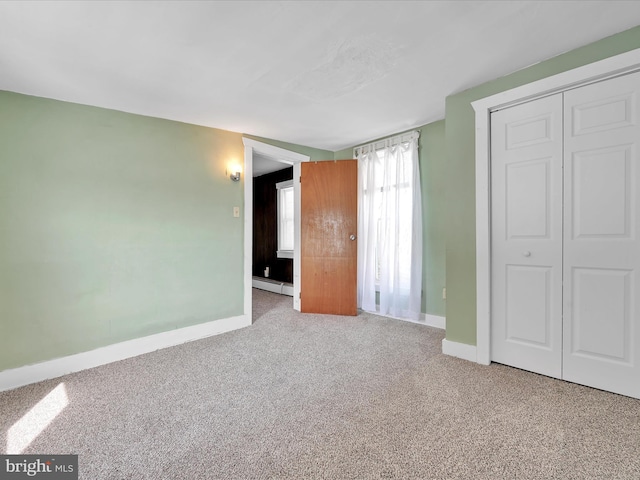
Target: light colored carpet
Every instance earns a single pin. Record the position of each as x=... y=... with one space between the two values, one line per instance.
x=311 y=396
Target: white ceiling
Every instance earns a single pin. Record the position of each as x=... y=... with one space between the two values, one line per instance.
x=323 y=74
x=263 y=164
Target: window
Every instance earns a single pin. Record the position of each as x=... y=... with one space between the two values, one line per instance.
x=397 y=185
x=285 y=219
x=390 y=227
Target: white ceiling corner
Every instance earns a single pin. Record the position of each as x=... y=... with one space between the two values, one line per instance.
x=263 y=164
x=328 y=75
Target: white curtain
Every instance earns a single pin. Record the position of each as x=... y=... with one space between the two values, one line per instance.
x=390 y=227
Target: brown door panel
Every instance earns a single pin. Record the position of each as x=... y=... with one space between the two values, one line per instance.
x=329 y=211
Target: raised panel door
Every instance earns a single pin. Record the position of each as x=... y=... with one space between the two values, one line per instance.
x=526 y=236
x=601 y=249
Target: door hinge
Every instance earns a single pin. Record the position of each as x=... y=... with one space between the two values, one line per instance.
x=300 y=295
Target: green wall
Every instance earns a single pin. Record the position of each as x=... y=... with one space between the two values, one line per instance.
x=432 y=158
x=313 y=153
x=346 y=154
x=433 y=164
x=460 y=176
x=112 y=226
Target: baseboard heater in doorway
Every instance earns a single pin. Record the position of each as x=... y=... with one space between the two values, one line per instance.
x=275 y=286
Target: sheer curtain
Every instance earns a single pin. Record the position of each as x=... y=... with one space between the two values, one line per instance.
x=390 y=226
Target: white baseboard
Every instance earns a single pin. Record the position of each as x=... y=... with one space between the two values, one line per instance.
x=429 y=320
x=460 y=350
x=425 y=319
x=20 y=376
x=434 y=320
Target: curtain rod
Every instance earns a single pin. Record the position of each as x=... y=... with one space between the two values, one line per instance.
x=386 y=142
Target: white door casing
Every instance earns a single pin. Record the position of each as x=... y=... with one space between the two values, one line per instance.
x=290 y=158
x=607 y=68
x=526 y=236
x=565 y=244
x=602 y=235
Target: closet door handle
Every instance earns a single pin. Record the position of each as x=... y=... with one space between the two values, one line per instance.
x=352 y=237
x=526 y=253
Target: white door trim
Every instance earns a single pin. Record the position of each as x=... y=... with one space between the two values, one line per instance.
x=607 y=68
x=290 y=158
x=459 y=350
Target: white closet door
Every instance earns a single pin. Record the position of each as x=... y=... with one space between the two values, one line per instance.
x=601 y=229
x=526 y=236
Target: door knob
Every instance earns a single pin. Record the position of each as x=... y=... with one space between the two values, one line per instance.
x=352 y=237
x=526 y=253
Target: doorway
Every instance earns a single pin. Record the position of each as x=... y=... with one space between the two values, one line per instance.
x=253 y=148
x=273 y=209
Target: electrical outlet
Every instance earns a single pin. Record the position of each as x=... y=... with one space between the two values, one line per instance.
x=236 y=212
x=444 y=293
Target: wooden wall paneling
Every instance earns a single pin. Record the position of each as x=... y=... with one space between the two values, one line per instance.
x=265 y=227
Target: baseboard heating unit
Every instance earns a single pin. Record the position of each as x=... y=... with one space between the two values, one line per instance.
x=271 y=285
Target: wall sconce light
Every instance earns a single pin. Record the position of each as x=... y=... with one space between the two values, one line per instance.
x=235 y=173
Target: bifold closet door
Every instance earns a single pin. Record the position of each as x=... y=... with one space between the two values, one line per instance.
x=601 y=319
x=526 y=236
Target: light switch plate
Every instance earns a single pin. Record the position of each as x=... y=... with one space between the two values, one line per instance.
x=236 y=212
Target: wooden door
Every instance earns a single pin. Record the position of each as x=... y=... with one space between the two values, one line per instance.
x=329 y=211
x=526 y=236
x=602 y=235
